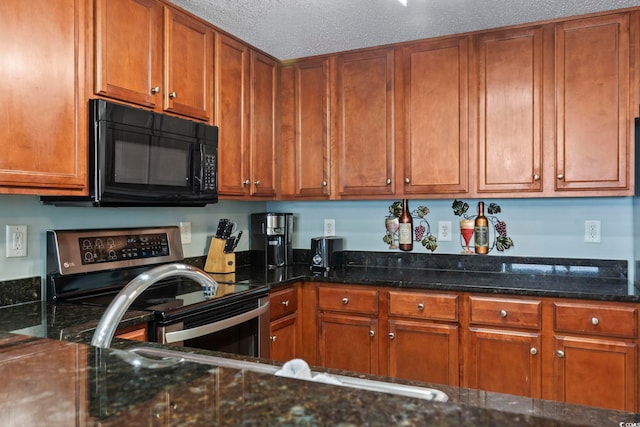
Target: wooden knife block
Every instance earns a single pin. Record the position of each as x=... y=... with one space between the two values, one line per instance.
x=217 y=260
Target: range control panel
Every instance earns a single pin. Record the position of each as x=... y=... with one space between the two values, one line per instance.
x=95 y=249
x=82 y=251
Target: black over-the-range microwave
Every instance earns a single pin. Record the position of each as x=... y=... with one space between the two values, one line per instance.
x=141 y=158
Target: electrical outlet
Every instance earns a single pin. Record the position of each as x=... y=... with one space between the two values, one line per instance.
x=444 y=231
x=185 y=232
x=329 y=227
x=592 y=231
x=16 y=240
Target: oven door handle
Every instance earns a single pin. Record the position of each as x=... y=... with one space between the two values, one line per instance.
x=185 y=334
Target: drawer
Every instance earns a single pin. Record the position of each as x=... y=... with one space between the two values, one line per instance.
x=362 y=301
x=598 y=319
x=505 y=312
x=423 y=305
x=283 y=302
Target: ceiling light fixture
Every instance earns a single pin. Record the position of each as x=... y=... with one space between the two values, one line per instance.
x=403 y=2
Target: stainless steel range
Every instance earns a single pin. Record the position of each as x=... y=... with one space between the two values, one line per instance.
x=92 y=266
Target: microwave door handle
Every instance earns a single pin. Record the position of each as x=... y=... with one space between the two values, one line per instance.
x=185 y=334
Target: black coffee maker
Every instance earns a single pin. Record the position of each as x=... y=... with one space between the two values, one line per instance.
x=271 y=239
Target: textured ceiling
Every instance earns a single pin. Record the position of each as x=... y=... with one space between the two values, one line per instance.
x=290 y=29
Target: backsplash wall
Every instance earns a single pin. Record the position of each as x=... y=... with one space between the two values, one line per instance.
x=539 y=227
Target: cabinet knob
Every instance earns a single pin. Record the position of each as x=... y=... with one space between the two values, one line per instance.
x=173 y=95
x=256 y=182
x=560 y=176
x=372 y=333
x=285 y=303
x=503 y=313
x=420 y=307
x=560 y=353
x=345 y=300
x=536 y=177
x=391 y=335
x=273 y=338
x=246 y=182
x=324 y=183
x=407 y=180
x=155 y=89
x=388 y=181
x=595 y=321
x=533 y=351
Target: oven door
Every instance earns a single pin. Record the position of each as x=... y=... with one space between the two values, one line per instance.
x=239 y=328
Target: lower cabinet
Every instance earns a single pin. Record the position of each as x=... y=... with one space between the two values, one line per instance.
x=134 y=333
x=283 y=335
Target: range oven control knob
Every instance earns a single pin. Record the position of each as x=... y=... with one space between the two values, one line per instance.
x=317 y=259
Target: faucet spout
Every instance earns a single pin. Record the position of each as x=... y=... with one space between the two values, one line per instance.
x=111 y=318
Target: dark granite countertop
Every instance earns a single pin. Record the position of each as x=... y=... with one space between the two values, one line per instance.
x=108 y=391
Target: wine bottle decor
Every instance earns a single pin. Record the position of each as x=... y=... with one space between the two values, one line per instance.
x=474 y=225
x=420 y=233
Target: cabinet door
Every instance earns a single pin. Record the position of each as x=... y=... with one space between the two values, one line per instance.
x=188 y=64
x=126 y=70
x=424 y=351
x=232 y=116
x=435 y=110
x=365 y=131
x=504 y=361
x=311 y=143
x=44 y=118
x=283 y=338
x=264 y=126
x=348 y=342
x=594 y=372
x=592 y=101
x=510 y=85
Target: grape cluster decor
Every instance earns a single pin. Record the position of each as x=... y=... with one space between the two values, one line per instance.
x=501 y=241
x=422 y=231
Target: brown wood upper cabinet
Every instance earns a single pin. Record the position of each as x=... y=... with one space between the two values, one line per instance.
x=155 y=56
x=365 y=90
x=44 y=122
x=434 y=112
x=306 y=126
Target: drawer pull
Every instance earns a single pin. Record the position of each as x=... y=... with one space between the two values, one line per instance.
x=273 y=338
x=503 y=313
x=345 y=300
x=372 y=333
x=173 y=94
x=155 y=89
x=533 y=351
x=595 y=321
x=285 y=303
x=391 y=335
x=421 y=307
x=560 y=353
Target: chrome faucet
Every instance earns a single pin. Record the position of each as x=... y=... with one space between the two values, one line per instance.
x=111 y=318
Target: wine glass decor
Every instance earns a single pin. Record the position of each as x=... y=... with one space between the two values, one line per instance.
x=422 y=231
x=500 y=240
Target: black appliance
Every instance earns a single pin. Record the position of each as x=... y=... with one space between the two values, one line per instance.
x=141 y=158
x=92 y=266
x=272 y=239
x=326 y=253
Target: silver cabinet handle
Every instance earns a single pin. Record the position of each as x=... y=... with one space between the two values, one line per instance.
x=560 y=176
x=407 y=180
x=257 y=182
x=388 y=181
x=285 y=303
x=536 y=177
x=246 y=182
x=391 y=335
x=345 y=300
x=155 y=89
x=421 y=307
x=372 y=333
x=273 y=338
x=503 y=313
x=560 y=353
x=324 y=183
x=533 y=351
x=173 y=95
x=595 y=321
